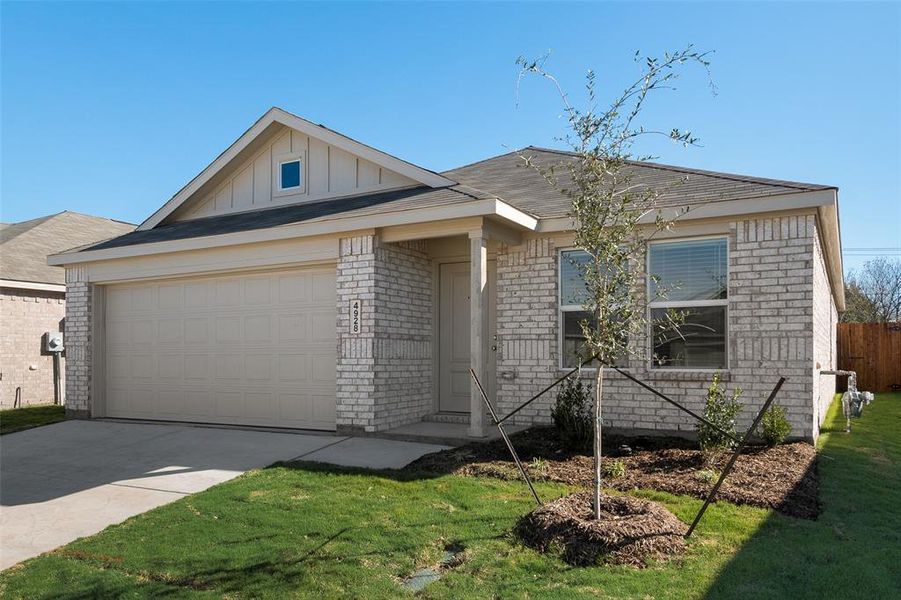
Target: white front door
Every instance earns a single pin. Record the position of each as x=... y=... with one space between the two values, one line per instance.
x=453 y=337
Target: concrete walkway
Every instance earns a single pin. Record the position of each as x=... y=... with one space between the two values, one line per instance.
x=73 y=479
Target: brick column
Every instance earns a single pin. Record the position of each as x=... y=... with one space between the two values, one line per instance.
x=78 y=343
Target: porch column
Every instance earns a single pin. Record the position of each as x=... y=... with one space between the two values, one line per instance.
x=478 y=332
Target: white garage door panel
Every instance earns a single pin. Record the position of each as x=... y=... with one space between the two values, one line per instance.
x=253 y=349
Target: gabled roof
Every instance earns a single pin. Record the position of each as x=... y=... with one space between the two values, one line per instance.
x=509 y=178
x=24 y=246
x=275 y=117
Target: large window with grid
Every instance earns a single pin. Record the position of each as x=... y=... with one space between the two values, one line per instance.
x=688 y=292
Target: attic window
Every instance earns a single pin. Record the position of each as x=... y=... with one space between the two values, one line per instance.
x=290 y=175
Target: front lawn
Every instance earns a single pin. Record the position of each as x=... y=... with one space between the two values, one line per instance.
x=325 y=532
x=17 y=419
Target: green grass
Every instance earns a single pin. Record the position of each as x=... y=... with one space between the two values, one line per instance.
x=322 y=532
x=17 y=419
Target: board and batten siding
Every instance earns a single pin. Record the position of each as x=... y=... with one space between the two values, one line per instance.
x=327 y=172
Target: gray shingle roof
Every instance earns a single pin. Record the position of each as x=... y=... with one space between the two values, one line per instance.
x=370 y=204
x=24 y=246
x=505 y=177
x=508 y=177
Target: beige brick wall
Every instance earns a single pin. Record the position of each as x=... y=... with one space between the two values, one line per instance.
x=25 y=315
x=825 y=324
x=384 y=376
x=79 y=323
x=770 y=322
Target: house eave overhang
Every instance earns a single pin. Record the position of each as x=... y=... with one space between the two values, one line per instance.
x=491 y=208
x=824 y=202
x=32 y=285
x=273 y=118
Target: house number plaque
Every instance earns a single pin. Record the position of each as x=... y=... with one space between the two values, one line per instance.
x=356 y=313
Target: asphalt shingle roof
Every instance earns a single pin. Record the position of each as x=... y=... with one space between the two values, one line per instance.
x=24 y=246
x=370 y=204
x=508 y=177
x=504 y=177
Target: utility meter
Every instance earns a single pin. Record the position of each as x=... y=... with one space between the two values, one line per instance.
x=53 y=341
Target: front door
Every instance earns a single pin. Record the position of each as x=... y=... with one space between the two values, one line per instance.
x=453 y=337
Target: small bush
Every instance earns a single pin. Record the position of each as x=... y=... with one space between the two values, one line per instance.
x=614 y=469
x=573 y=415
x=707 y=475
x=721 y=410
x=775 y=426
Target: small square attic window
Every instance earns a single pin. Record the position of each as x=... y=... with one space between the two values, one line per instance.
x=290 y=175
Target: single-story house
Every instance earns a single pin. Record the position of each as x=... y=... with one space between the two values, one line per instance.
x=306 y=280
x=33 y=300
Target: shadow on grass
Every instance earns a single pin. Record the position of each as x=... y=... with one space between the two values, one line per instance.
x=853 y=550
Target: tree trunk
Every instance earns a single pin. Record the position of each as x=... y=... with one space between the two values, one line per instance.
x=598 y=423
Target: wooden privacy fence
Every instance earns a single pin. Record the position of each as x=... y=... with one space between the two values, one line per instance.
x=873 y=350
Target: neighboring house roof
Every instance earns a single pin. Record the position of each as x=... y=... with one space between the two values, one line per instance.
x=509 y=177
x=24 y=246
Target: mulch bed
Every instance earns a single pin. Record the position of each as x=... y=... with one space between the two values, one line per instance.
x=783 y=478
x=630 y=530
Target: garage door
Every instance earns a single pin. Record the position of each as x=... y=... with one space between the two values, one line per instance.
x=256 y=349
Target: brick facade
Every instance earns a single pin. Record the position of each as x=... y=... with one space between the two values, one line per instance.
x=79 y=325
x=25 y=315
x=825 y=326
x=781 y=321
x=384 y=376
x=770 y=323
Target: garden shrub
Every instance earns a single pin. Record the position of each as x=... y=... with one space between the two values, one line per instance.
x=573 y=414
x=614 y=469
x=721 y=410
x=775 y=426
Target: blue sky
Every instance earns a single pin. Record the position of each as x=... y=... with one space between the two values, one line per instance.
x=109 y=108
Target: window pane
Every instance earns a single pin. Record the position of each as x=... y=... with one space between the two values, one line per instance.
x=291 y=174
x=572 y=286
x=691 y=270
x=574 y=350
x=696 y=340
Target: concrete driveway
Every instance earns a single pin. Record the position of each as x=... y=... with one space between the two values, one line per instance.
x=72 y=479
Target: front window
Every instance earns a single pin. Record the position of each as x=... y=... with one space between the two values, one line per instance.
x=688 y=289
x=573 y=293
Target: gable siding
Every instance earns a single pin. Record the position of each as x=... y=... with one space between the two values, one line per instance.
x=328 y=172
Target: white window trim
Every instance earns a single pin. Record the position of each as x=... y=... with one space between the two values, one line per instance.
x=684 y=304
x=277 y=162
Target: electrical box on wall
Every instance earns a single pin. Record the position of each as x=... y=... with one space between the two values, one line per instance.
x=53 y=341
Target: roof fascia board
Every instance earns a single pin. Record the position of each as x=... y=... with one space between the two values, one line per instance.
x=476 y=208
x=831 y=240
x=277 y=115
x=31 y=285
x=727 y=208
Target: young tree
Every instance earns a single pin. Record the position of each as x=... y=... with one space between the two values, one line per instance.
x=874 y=294
x=613 y=215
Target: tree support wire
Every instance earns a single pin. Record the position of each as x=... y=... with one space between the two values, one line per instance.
x=499 y=423
x=731 y=463
x=674 y=403
x=500 y=427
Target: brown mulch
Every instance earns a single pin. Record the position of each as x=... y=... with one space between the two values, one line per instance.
x=630 y=530
x=783 y=478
